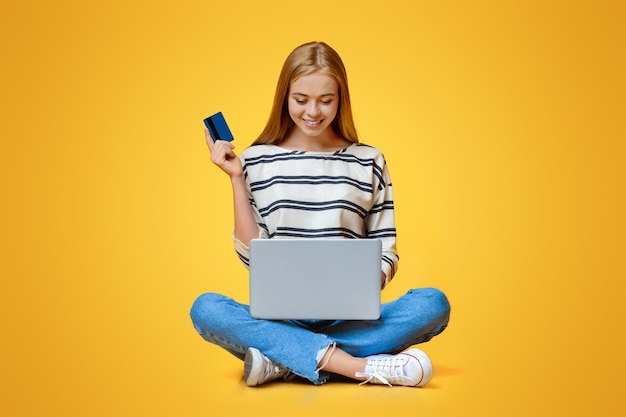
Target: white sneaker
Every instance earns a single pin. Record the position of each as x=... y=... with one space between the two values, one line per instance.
x=259 y=369
x=410 y=368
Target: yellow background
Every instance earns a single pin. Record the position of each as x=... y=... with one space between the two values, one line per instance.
x=504 y=127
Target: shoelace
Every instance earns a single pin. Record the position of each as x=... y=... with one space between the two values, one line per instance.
x=391 y=367
x=272 y=370
x=375 y=375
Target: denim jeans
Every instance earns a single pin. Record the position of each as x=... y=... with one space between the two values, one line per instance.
x=299 y=345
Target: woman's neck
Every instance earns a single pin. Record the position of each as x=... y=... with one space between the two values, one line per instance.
x=323 y=143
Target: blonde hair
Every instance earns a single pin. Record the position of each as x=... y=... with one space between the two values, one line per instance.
x=304 y=60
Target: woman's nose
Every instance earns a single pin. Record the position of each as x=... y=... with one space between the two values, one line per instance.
x=313 y=109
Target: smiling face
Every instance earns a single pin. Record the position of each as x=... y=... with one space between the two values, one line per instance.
x=313 y=101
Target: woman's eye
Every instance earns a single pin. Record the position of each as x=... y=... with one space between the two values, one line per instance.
x=300 y=101
x=327 y=101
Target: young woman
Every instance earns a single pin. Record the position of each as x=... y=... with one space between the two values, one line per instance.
x=307 y=175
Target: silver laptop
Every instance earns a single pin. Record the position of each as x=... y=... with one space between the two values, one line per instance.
x=315 y=279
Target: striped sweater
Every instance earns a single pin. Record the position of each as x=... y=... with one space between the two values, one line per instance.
x=343 y=194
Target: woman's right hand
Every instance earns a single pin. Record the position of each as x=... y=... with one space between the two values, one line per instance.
x=223 y=156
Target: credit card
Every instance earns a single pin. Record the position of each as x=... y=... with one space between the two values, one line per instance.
x=218 y=128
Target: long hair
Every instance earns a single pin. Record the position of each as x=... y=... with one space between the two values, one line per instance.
x=304 y=60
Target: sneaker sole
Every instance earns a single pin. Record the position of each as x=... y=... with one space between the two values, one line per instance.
x=251 y=375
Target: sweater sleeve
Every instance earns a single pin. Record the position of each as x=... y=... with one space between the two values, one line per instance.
x=381 y=222
x=243 y=251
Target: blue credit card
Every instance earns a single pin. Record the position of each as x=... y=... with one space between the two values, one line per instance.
x=218 y=129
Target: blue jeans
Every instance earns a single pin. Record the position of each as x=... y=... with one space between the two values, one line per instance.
x=299 y=345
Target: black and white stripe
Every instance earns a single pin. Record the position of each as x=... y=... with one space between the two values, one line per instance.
x=345 y=194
